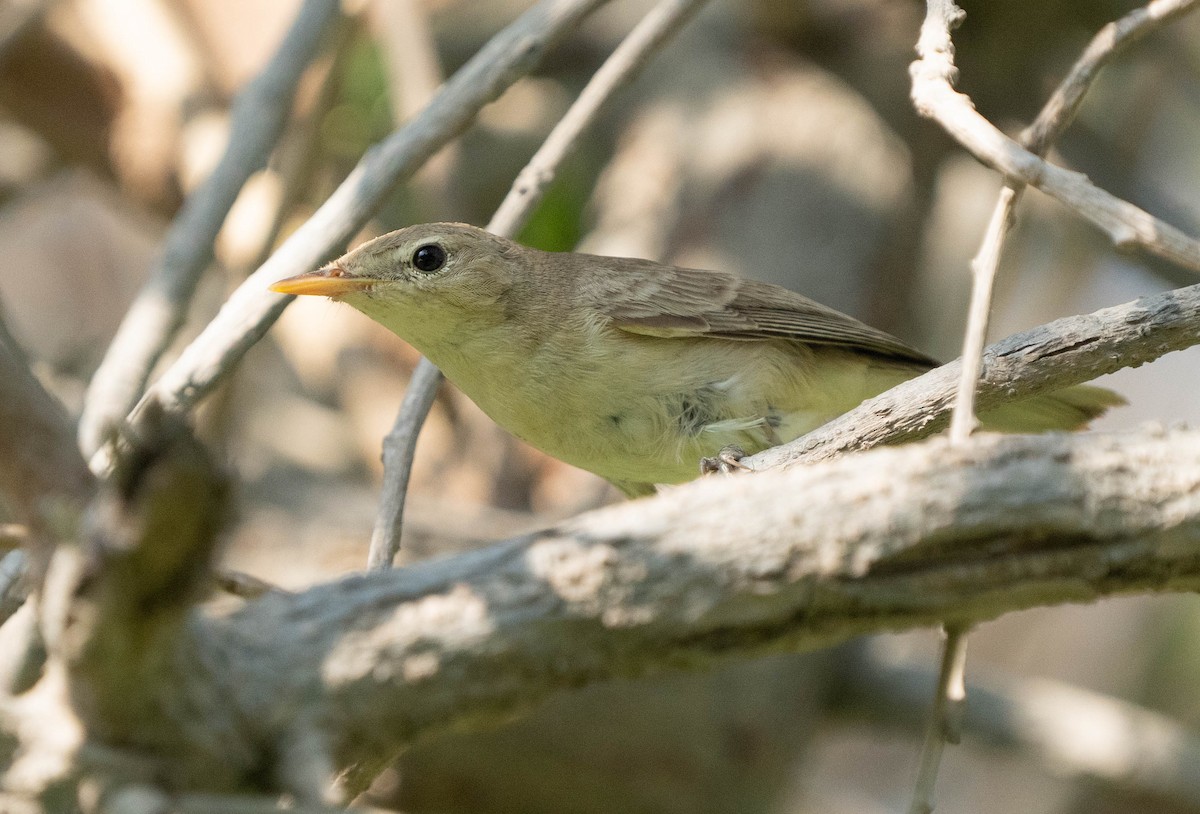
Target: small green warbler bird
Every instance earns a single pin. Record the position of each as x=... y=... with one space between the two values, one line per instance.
x=630 y=369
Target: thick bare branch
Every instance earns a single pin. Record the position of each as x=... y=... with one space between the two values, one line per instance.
x=115 y=608
x=257 y=118
x=723 y=568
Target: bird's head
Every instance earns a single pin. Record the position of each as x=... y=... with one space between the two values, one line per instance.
x=420 y=281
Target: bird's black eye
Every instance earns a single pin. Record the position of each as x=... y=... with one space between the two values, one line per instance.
x=429 y=257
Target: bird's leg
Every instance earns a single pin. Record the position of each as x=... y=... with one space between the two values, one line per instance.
x=727 y=460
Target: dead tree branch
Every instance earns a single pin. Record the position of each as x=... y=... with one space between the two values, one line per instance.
x=724 y=568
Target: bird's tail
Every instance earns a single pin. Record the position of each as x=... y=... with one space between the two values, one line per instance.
x=1068 y=409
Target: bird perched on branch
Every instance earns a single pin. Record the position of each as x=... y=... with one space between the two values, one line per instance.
x=630 y=369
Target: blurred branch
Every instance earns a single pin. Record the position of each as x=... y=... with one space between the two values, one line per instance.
x=251 y=309
x=409 y=54
x=1050 y=357
x=41 y=469
x=944 y=724
x=299 y=157
x=144 y=800
x=15 y=18
x=13 y=588
x=258 y=116
x=48 y=484
x=621 y=68
x=12 y=591
x=12 y=537
x=152 y=531
x=116 y=610
x=414 y=74
x=1059 y=111
x=1069 y=730
x=244 y=586
x=399 y=450
x=933 y=93
x=69 y=98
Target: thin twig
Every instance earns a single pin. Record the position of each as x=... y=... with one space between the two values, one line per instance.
x=947 y=709
x=949 y=700
x=983 y=277
x=1111 y=40
x=258 y=116
x=399 y=449
x=1055 y=116
x=252 y=309
x=1053 y=119
x=1126 y=746
x=622 y=67
x=411 y=57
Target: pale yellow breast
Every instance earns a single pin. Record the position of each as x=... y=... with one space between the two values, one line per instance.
x=646 y=409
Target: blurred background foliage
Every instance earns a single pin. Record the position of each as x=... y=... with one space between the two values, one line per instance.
x=772 y=138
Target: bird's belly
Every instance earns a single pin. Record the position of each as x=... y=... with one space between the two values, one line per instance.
x=620 y=437
x=651 y=416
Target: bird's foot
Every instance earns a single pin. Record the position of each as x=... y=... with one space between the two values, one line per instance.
x=728 y=460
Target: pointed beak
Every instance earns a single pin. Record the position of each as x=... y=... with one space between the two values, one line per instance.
x=328 y=282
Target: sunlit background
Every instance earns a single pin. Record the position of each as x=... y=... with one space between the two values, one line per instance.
x=772 y=138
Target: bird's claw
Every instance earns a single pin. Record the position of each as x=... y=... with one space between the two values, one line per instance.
x=727 y=461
